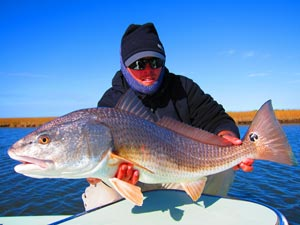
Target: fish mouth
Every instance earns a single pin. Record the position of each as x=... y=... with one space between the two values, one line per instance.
x=29 y=163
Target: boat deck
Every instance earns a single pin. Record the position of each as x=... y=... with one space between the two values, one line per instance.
x=167 y=207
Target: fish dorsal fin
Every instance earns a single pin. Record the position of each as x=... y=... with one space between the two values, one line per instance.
x=192 y=132
x=129 y=191
x=129 y=102
x=194 y=189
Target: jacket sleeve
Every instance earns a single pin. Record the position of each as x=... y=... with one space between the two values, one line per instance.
x=205 y=112
x=109 y=98
x=113 y=94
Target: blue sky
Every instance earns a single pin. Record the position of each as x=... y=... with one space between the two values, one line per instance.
x=59 y=56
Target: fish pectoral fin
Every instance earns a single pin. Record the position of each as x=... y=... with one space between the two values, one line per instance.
x=194 y=189
x=119 y=158
x=129 y=191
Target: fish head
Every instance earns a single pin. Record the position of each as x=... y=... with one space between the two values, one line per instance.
x=63 y=148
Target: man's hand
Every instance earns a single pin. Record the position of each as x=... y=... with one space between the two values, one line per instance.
x=230 y=136
x=247 y=164
x=125 y=172
x=93 y=181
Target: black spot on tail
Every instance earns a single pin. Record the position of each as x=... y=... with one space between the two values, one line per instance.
x=253 y=137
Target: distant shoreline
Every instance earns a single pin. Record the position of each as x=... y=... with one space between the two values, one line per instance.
x=241 y=118
x=283 y=116
x=24 y=122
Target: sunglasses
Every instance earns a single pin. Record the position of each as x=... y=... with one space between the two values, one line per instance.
x=140 y=64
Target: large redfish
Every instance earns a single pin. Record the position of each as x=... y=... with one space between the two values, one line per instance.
x=93 y=143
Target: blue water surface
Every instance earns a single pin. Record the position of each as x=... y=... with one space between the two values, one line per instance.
x=270 y=183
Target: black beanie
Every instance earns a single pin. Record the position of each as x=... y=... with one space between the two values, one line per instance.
x=141 y=41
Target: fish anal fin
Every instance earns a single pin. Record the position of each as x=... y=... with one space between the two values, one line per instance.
x=118 y=158
x=129 y=191
x=192 y=132
x=194 y=189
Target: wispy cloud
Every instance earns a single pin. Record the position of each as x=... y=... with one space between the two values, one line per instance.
x=248 y=54
x=294 y=81
x=228 y=52
x=244 y=53
x=262 y=74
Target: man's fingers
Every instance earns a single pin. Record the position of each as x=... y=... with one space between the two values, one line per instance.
x=237 y=167
x=125 y=172
x=93 y=181
x=129 y=172
x=230 y=136
x=246 y=168
x=233 y=140
x=135 y=177
x=121 y=171
x=248 y=161
x=246 y=165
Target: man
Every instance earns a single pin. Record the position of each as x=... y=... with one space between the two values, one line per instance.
x=143 y=70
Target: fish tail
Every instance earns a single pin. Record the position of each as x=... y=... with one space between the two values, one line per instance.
x=270 y=141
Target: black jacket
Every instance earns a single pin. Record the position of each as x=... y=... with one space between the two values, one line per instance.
x=179 y=98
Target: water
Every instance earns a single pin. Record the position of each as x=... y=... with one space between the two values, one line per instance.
x=273 y=184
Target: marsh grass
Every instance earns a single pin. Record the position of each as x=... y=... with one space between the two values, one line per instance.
x=284 y=116
x=24 y=122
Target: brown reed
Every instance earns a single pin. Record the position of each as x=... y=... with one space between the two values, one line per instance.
x=24 y=122
x=283 y=116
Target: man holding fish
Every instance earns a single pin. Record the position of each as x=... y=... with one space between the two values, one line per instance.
x=154 y=127
x=165 y=94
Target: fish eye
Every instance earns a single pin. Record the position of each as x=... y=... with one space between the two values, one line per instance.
x=44 y=139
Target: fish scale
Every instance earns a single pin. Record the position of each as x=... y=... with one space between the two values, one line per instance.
x=165 y=152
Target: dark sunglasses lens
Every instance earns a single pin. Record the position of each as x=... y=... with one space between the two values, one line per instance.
x=155 y=63
x=137 y=65
x=141 y=63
